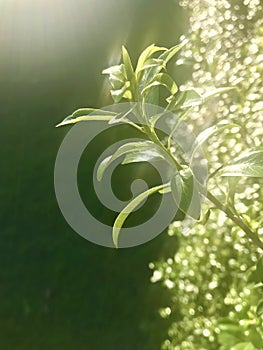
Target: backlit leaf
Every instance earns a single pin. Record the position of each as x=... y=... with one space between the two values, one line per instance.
x=169 y=54
x=87 y=114
x=250 y=165
x=148 y=52
x=129 y=209
x=217 y=91
x=134 y=152
x=164 y=80
x=118 y=95
x=185 y=193
x=127 y=64
x=184 y=99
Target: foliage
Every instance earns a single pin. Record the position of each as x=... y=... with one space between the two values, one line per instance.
x=215 y=287
x=211 y=267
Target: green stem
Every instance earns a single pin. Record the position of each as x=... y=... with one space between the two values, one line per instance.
x=152 y=135
x=230 y=214
x=239 y=222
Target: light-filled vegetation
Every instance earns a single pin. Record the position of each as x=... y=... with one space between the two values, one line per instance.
x=198 y=284
x=214 y=278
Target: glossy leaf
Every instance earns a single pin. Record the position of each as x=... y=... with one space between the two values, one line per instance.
x=127 y=115
x=169 y=54
x=164 y=80
x=185 y=193
x=152 y=62
x=116 y=82
x=184 y=99
x=250 y=165
x=150 y=74
x=142 y=156
x=118 y=95
x=121 y=218
x=148 y=52
x=217 y=91
x=191 y=98
x=117 y=71
x=166 y=189
x=87 y=114
x=139 y=151
x=127 y=64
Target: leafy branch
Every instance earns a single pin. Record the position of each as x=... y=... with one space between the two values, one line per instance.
x=141 y=85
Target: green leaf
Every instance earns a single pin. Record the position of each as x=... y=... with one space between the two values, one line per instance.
x=132 y=92
x=184 y=99
x=116 y=82
x=152 y=62
x=169 y=54
x=165 y=190
x=243 y=346
x=185 y=193
x=217 y=91
x=118 y=95
x=123 y=116
x=154 y=118
x=118 y=71
x=148 y=52
x=130 y=208
x=151 y=73
x=191 y=98
x=119 y=81
x=127 y=64
x=87 y=114
x=207 y=133
x=250 y=165
x=139 y=151
x=161 y=79
x=141 y=156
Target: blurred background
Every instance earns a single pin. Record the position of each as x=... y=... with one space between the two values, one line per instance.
x=61 y=292
x=57 y=290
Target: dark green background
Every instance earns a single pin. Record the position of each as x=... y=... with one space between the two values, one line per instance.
x=57 y=290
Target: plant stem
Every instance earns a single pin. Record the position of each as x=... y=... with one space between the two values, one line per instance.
x=230 y=214
x=239 y=222
x=157 y=141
